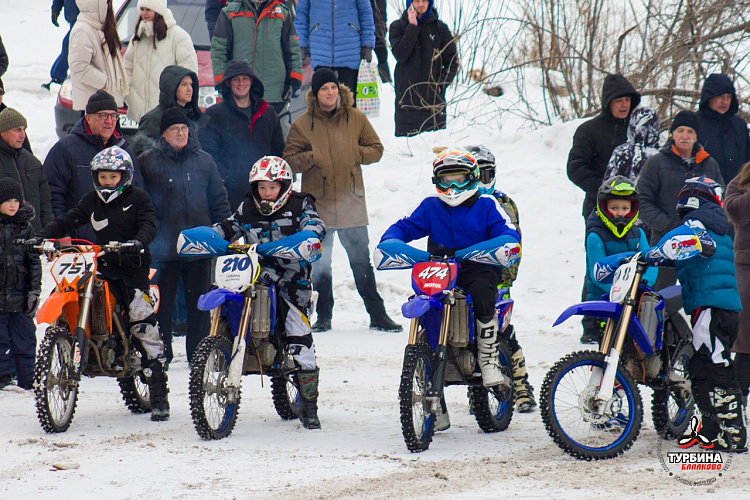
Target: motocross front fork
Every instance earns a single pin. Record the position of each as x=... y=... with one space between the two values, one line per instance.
x=435 y=391
x=80 y=352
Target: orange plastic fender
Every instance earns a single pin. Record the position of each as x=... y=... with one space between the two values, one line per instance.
x=53 y=307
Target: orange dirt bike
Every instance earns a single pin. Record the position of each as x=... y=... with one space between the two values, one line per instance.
x=88 y=334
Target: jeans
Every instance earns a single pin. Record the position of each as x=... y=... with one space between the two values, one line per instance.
x=196 y=277
x=357 y=245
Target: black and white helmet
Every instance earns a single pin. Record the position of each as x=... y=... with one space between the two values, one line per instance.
x=486 y=162
x=112 y=159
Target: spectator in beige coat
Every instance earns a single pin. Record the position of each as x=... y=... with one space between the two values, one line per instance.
x=94 y=55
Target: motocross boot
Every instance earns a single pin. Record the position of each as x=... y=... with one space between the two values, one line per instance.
x=727 y=403
x=308 y=388
x=709 y=421
x=157 y=386
x=487 y=354
x=524 y=391
x=443 y=420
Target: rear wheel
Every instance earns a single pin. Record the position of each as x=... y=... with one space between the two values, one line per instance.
x=672 y=407
x=213 y=405
x=492 y=411
x=55 y=384
x=417 y=418
x=286 y=396
x=135 y=393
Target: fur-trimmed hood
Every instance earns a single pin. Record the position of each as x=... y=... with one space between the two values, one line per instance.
x=25 y=214
x=345 y=102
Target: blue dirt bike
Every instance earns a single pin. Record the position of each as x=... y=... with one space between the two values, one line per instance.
x=590 y=403
x=244 y=337
x=441 y=347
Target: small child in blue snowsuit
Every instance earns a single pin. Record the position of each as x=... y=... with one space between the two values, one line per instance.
x=457 y=218
x=710 y=297
x=20 y=286
x=611 y=229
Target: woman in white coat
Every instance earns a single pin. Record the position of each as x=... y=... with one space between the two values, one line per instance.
x=157 y=43
x=94 y=56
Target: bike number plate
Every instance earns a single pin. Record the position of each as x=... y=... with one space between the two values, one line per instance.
x=432 y=278
x=236 y=272
x=68 y=267
x=622 y=281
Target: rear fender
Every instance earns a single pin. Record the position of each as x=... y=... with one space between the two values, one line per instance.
x=604 y=309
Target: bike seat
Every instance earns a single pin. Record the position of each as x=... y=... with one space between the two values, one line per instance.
x=672 y=296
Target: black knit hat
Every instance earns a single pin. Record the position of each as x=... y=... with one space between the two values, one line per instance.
x=172 y=116
x=101 y=100
x=10 y=189
x=321 y=77
x=686 y=119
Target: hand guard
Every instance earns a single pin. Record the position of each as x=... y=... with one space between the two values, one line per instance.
x=200 y=241
x=604 y=270
x=503 y=251
x=132 y=247
x=304 y=245
x=680 y=243
x=395 y=254
x=32 y=301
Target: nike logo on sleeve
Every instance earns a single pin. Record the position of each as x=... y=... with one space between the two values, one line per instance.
x=98 y=225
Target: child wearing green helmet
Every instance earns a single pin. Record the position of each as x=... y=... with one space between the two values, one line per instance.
x=611 y=229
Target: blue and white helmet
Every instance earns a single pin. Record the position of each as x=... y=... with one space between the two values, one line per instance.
x=486 y=162
x=112 y=159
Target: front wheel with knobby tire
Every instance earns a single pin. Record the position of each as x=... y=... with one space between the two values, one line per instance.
x=673 y=406
x=582 y=424
x=417 y=418
x=286 y=396
x=55 y=381
x=213 y=404
x=494 y=411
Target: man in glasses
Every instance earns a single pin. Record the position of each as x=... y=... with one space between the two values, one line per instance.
x=68 y=162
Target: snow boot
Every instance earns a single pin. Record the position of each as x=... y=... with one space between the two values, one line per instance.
x=157 y=386
x=524 y=391
x=443 y=420
x=487 y=354
x=308 y=388
x=385 y=324
x=321 y=325
x=727 y=403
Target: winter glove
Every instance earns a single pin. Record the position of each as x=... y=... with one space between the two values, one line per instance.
x=55 y=15
x=33 y=242
x=366 y=54
x=133 y=247
x=32 y=301
x=304 y=53
x=269 y=275
x=294 y=86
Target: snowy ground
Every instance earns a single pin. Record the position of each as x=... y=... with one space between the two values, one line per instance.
x=110 y=453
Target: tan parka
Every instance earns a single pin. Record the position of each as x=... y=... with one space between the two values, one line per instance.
x=328 y=150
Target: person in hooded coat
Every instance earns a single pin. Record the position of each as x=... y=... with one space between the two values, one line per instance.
x=723 y=133
x=595 y=139
x=642 y=143
x=427 y=63
x=178 y=87
x=240 y=129
x=157 y=43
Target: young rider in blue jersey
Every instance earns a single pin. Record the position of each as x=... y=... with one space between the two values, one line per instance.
x=457 y=218
x=710 y=297
x=522 y=389
x=610 y=230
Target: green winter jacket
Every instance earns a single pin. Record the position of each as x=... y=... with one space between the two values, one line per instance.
x=266 y=40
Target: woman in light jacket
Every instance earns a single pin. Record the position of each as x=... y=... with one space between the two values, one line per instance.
x=157 y=43
x=94 y=56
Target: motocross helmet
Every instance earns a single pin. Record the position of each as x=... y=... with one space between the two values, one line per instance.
x=486 y=161
x=455 y=174
x=271 y=168
x=698 y=191
x=112 y=159
x=618 y=188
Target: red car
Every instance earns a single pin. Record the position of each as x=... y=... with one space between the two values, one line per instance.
x=189 y=14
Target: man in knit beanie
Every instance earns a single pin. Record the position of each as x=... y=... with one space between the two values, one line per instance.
x=3 y=91
x=67 y=163
x=17 y=163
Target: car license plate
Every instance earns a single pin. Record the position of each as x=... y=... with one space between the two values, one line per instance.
x=127 y=123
